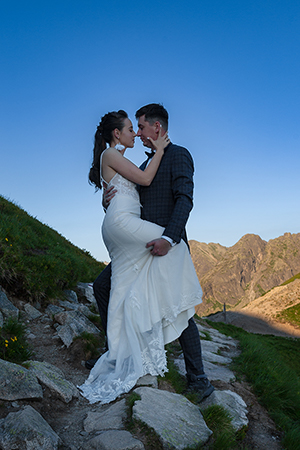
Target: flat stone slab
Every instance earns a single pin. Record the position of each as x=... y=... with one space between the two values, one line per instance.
x=212 y=371
x=54 y=379
x=108 y=418
x=216 y=335
x=18 y=383
x=27 y=429
x=114 y=440
x=233 y=403
x=213 y=347
x=181 y=424
x=214 y=358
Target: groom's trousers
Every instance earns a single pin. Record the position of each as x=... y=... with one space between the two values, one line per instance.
x=189 y=339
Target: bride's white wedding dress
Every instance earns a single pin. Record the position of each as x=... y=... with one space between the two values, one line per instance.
x=151 y=298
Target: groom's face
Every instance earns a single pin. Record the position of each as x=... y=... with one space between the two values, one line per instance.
x=145 y=130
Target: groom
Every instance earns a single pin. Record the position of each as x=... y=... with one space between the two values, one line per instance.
x=166 y=202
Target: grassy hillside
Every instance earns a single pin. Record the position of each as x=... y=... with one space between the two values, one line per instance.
x=271 y=365
x=36 y=262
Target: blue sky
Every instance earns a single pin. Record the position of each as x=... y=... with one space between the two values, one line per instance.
x=227 y=71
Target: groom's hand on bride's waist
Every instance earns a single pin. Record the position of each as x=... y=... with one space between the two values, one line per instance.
x=108 y=194
x=159 y=247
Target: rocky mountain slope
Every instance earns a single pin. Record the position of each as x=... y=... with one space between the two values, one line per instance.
x=43 y=404
x=239 y=274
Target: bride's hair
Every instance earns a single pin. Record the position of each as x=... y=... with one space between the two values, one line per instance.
x=103 y=136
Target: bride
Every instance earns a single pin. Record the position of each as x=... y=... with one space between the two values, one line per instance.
x=151 y=298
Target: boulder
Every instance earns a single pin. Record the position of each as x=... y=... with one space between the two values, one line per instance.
x=18 y=383
x=108 y=418
x=54 y=379
x=181 y=423
x=27 y=429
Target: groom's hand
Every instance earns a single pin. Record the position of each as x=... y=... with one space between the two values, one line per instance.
x=160 y=247
x=108 y=194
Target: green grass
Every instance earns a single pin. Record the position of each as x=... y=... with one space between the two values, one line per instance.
x=290 y=280
x=36 y=262
x=290 y=315
x=13 y=343
x=91 y=343
x=219 y=422
x=272 y=366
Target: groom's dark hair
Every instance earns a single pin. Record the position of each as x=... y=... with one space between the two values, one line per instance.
x=154 y=112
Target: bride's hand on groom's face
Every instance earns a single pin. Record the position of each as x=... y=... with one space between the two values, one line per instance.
x=160 y=247
x=161 y=142
x=108 y=194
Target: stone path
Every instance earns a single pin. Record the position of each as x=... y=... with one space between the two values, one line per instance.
x=46 y=410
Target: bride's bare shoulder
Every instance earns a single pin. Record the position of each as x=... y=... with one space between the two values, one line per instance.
x=110 y=151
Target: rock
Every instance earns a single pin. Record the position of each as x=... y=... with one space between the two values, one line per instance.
x=26 y=429
x=214 y=358
x=51 y=310
x=7 y=308
x=213 y=347
x=217 y=336
x=18 y=383
x=181 y=423
x=109 y=418
x=86 y=289
x=114 y=440
x=71 y=296
x=73 y=324
x=212 y=371
x=66 y=304
x=77 y=307
x=1 y=320
x=31 y=312
x=148 y=380
x=233 y=403
x=54 y=379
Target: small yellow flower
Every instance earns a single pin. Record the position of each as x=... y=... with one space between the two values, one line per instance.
x=6 y=341
x=6 y=345
x=6 y=239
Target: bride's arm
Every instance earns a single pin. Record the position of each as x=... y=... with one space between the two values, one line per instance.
x=127 y=169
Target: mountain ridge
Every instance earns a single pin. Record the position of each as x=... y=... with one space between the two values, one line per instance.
x=239 y=274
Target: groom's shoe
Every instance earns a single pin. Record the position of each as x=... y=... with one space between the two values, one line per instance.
x=199 y=385
x=89 y=364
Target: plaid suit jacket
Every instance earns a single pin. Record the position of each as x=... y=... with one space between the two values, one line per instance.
x=169 y=198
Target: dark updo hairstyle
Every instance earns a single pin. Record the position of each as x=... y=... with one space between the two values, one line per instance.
x=103 y=136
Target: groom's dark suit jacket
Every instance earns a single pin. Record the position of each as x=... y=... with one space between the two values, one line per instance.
x=169 y=199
